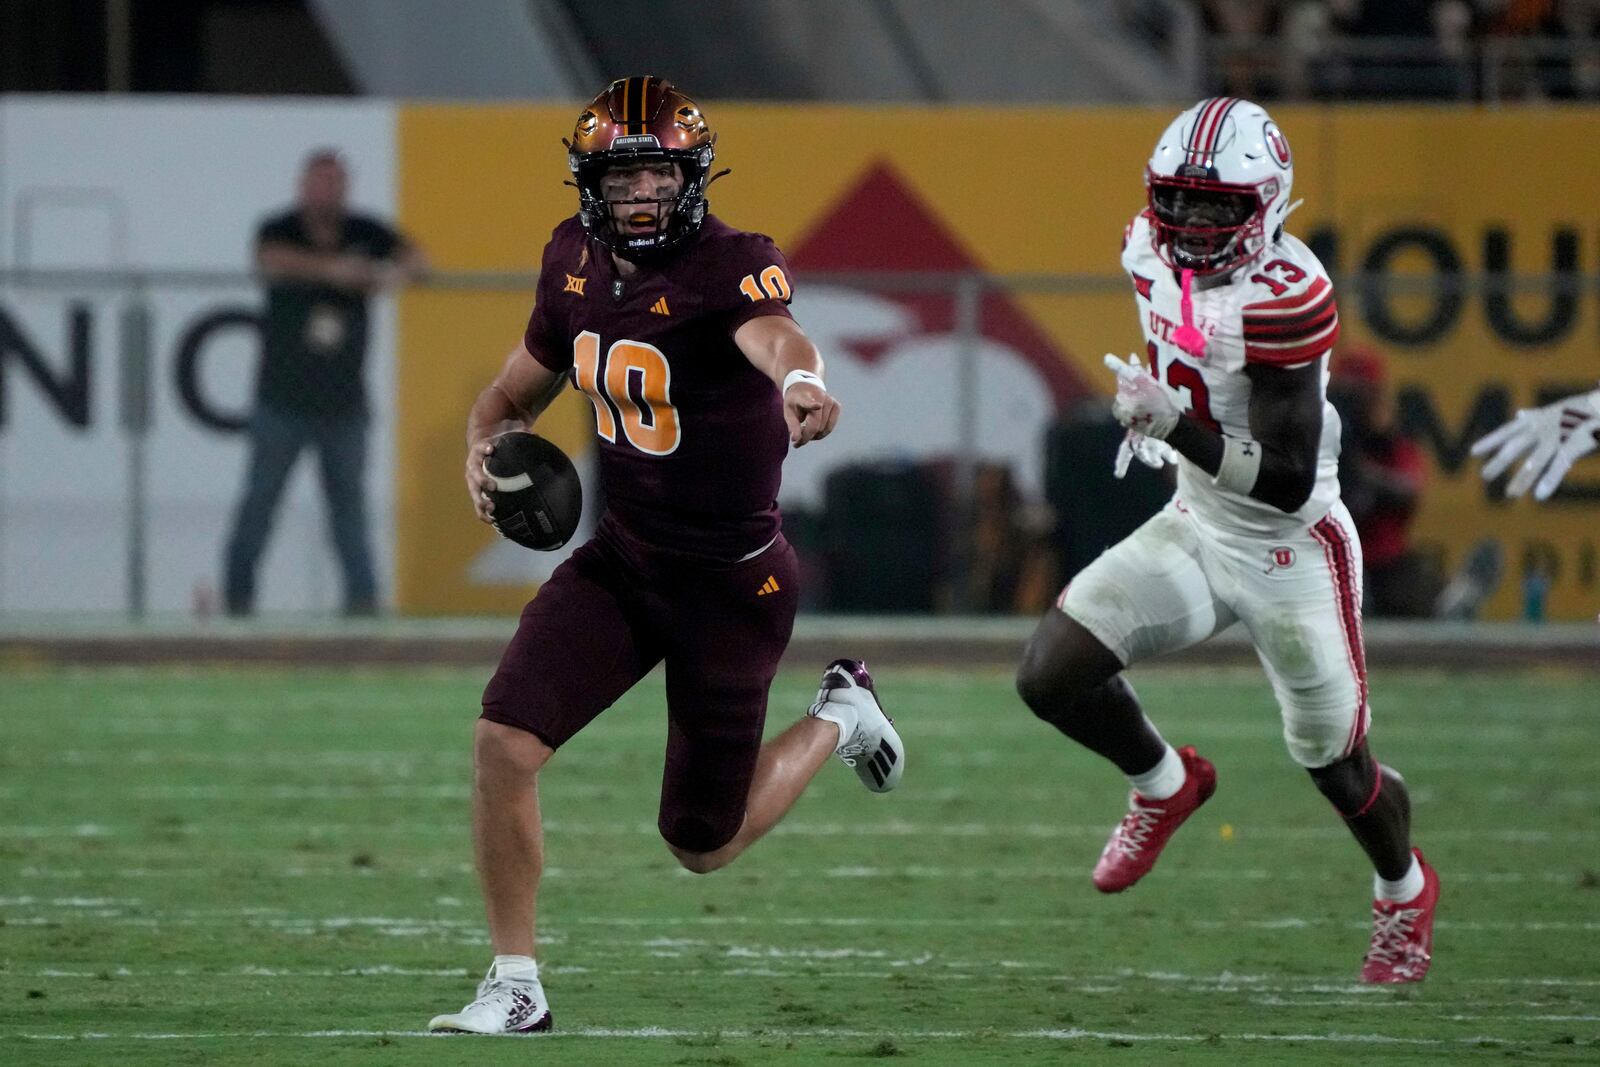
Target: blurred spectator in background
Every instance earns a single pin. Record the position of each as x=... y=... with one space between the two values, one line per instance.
x=1408 y=48
x=1547 y=49
x=1523 y=74
x=1247 y=54
x=1405 y=49
x=1382 y=476
x=320 y=262
x=1578 y=24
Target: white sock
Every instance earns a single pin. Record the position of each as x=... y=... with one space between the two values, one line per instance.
x=521 y=968
x=842 y=713
x=1406 y=888
x=1163 y=780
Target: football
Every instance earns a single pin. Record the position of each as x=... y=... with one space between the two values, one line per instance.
x=537 y=497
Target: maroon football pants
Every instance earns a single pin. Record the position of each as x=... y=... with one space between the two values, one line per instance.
x=610 y=614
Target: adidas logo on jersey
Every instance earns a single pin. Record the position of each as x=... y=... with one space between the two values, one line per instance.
x=769 y=586
x=660 y=307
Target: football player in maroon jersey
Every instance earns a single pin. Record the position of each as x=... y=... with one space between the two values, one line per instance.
x=677 y=328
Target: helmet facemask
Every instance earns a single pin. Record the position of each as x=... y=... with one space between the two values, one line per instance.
x=1204 y=225
x=676 y=216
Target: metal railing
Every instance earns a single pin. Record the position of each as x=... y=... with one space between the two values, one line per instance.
x=136 y=348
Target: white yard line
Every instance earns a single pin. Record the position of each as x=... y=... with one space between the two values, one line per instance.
x=85 y=829
x=1076 y=870
x=256 y=971
x=656 y=1033
x=456 y=790
x=253 y=917
x=1269 y=990
x=887 y=828
x=1578 y=754
x=69 y=902
x=1066 y=870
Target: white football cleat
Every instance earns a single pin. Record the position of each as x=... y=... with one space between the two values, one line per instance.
x=509 y=1002
x=867 y=738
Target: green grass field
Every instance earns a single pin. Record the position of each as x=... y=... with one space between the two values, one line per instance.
x=231 y=866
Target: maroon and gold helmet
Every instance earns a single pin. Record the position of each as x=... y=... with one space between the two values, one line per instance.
x=641 y=119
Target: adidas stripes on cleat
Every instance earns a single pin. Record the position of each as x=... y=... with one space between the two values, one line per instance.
x=868 y=741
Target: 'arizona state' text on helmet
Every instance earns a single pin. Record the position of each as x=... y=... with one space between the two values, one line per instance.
x=641 y=120
x=1219 y=182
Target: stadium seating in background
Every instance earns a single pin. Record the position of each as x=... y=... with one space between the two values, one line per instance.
x=1412 y=50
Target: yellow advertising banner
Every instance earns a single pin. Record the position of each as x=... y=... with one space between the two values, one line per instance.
x=1400 y=192
x=1421 y=194
x=481 y=190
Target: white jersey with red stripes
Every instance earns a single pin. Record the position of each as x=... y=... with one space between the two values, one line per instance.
x=1278 y=309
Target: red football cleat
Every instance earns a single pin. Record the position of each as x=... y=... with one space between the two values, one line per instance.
x=1143 y=832
x=1402 y=934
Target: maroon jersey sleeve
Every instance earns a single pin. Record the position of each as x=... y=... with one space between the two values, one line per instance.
x=750 y=279
x=544 y=338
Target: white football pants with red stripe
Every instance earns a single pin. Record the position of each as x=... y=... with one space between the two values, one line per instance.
x=1177 y=580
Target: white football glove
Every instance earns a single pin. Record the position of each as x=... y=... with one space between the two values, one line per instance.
x=1554 y=437
x=1142 y=404
x=1149 y=451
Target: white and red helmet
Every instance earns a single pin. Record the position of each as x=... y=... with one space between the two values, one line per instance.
x=1218 y=184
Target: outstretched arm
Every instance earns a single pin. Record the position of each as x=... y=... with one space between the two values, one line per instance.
x=778 y=348
x=1554 y=437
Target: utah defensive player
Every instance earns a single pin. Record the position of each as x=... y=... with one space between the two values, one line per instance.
x=1238 y=317
x=1553 y=438
x=677 y=327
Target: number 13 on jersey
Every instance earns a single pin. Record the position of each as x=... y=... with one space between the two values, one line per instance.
x=1182 y=378
x=631 y=386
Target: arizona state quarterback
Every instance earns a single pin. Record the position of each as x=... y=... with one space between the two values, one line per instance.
x=677 y=328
